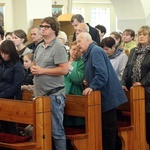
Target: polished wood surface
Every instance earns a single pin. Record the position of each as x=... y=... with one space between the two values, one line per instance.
x=27 y=95
x=133 y=136
x=36 y=113
x=89 y=107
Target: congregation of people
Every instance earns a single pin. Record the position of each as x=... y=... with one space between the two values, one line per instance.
x=52 y=66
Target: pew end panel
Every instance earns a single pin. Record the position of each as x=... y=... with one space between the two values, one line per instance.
x=133 y=136
x=27 y=95
x=36 y=113
x=89 y=107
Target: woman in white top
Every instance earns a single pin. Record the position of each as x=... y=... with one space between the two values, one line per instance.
x=116 y=55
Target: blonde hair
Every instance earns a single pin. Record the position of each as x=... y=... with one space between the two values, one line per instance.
x=29 y=55
x=145 y=30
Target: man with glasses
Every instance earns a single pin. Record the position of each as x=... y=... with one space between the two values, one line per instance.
x=50 y=66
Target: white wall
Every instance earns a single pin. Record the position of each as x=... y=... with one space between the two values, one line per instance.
x=19 y=14
x=8 y=15
x=88 y=6
x=130 y=13
x=37 y=9
x=67 y=4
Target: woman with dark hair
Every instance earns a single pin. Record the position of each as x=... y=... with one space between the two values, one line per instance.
x=116 y=55
x=11 y=78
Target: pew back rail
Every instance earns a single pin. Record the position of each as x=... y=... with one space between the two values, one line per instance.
x=36 y=113
x=89 y=107
x=133 y=136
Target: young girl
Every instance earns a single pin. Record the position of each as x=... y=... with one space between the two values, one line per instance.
x=28 y=81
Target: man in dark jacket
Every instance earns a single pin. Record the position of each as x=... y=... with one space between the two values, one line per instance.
x=36 y=38
x=77 y=19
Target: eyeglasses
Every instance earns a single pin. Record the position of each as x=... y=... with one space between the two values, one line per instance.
x=44 y=26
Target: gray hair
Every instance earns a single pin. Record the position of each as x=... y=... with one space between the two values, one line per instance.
x=86 y=36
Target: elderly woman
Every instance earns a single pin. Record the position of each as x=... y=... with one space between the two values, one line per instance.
x=137 y=71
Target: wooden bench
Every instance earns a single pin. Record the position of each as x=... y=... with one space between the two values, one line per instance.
x=88 y=107
x=133 y=136
x=36 y=113
x=27 y=95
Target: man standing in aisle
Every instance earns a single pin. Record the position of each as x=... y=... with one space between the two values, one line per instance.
x=101 y=76
x=50 y=66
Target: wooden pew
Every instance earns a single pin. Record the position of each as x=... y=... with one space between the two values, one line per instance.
x=89 y=107
x=36 y=113
x=133 y=136
x=27 y=95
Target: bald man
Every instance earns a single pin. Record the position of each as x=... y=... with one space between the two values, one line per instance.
x=82 y=27
x=101 y=76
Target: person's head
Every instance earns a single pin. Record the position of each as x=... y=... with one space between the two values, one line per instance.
x=19 y=37
x=27 y=60
x=144 y=35
x=8 y=36
x=8 y=51
x=1 y=33
x=117 y=37
x=128 y=35
x=76 y=19
x=108 y=45
x=35 y=33
x=82 y=27
x=101 y=29
x=75 y=53
x=62 y=37
x=49 y=26
x=84 y=39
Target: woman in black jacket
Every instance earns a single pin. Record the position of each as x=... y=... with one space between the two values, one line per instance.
x=11 y=78
x=137 y=71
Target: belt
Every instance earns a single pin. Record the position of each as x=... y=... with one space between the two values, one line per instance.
x=53 y=91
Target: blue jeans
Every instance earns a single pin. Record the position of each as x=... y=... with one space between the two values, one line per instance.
x=58 y=133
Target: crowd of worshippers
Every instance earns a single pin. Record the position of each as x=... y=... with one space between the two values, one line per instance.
x=53 y=66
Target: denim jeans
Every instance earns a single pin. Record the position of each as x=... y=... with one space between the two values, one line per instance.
x=58 y=133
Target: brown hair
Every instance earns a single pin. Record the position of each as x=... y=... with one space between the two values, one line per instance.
x=52 y=21
x=21 y=34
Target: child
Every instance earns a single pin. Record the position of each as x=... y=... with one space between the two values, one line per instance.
x=28 y=81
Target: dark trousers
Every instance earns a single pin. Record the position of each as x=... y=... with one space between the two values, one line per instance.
x=9 y=127
x=109 y=129
x=148 y=128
